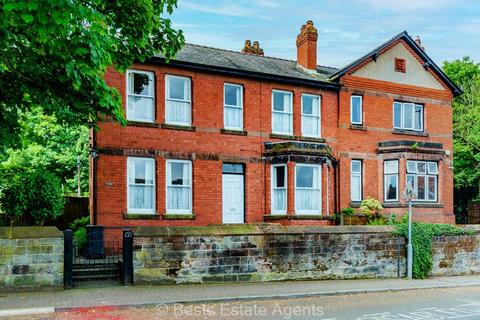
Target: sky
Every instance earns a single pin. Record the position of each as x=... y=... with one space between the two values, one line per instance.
x=449 y=29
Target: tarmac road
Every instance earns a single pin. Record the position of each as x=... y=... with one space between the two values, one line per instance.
x=424 y=304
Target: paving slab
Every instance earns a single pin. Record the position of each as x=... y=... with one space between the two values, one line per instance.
x=123 y=296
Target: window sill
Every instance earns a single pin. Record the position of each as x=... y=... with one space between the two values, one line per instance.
x=234 y=132
x=178 y=216
x=358 y=127
x=355 y=204
x=414 y=204
x=143 y=124
x=281 y=136
x=296 y=138
x=312 y=139
x=177 y=127
x=410 y=133
x=141 y=216
x=269 y=217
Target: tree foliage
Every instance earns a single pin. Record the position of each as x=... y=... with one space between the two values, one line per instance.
x=30 y=196
x=466 y=123
x=54 y=54
x=46 y=143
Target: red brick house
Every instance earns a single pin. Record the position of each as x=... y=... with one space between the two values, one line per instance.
x=217 y=136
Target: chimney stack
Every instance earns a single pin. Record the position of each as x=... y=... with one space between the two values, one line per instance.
x=307 y=46
x=255 y=49
x=418 y=41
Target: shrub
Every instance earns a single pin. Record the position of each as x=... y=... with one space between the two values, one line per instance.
x=348 y=211
x=30 y=196
x=80 y=237
x=370 y=207
x=80 y=222
x=422 y=234
x=79 y=230
x=377 y=221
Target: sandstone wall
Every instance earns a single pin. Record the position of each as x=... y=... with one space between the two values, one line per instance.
x=265 y=253
x=31 y=257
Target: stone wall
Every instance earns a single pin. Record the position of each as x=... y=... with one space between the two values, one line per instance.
x=459 y=255
x=31 y=257
x=265 y=253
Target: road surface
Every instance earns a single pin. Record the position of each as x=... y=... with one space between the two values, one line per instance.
x=427 y=304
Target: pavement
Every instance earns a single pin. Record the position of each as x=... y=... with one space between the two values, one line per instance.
x=146 y=296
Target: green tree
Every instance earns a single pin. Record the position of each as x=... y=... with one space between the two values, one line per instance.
x=29 y=196
x=54 y=54
x=466 y=128
x=45 y=142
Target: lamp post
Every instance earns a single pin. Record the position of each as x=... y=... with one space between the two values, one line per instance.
x=409 y=193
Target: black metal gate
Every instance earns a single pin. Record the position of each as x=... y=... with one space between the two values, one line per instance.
x=97 y=261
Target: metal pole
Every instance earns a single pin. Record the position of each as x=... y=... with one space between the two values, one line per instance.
x=127 y=257
x=409 y=245
x=67 y=259
x=79 y=192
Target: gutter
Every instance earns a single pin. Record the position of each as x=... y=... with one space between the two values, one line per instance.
x=248 y=74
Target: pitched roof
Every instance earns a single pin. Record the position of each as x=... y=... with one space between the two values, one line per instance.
x=249 y=65
x=429 y=63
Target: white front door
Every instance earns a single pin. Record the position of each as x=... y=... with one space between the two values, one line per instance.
x=232 y=198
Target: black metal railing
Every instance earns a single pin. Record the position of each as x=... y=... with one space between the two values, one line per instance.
x=99 y=260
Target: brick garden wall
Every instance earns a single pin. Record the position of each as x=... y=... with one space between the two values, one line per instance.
x=31 y=257
x=264 y=253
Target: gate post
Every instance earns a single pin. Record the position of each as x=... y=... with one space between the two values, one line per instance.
x=67 y=259
x=127 y=257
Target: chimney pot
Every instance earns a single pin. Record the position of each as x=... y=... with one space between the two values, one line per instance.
x=307 y=46
x=418 y=41
x=255 y=49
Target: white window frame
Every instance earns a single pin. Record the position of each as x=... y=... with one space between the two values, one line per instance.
x=131 y=161
x=167 y=98
x=128 y=94
x=319 y=117
x=167 y=185
x=240 y=128
x=283 y=112
x=361 y=110
x=356 y=174
x=427 y=175
x=272 y=188
x=385 y=180
x=402 y=116
x=309 y=212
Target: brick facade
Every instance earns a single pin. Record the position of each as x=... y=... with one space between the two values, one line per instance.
x=362 y=143
x=208 y=145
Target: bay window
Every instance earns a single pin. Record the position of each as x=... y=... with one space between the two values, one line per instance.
x=233 y=106
x=279 y=189
x=310 y=115
x=141 y=185
x=307 y=189
x=407 y=116
x=179 y=186
x=422 y=177
x=178 y=109
x=140 y=96
x=390 y=177
x=282 y=112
